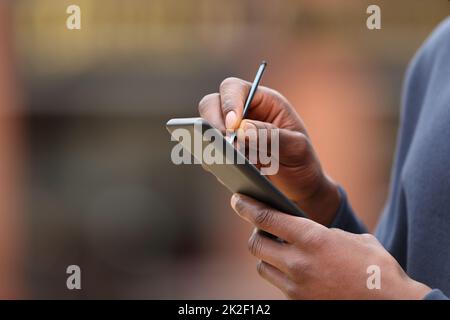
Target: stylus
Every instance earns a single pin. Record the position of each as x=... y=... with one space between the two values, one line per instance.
x=251 y=94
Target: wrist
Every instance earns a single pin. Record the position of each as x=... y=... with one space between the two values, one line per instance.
x=322 y=206
x=415 y=290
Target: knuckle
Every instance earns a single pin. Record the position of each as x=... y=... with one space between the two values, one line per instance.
x=302 y=143
x=336 y=230
x=297 y=267
x=279 y=98
x=255 y=244
x=293 y=266
x=205 y=102
x=261 y=268
x=369 y=238
x=291 y=291
x=264 y=218
x=314 y=238
x=227 y=103
x=227 y=82
x=339 y=232
x=366 y=236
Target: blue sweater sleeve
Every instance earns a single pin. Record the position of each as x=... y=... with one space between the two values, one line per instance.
x=345 y=219
x=435 y=294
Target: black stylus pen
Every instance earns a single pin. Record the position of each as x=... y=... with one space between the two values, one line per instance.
x=251 y=94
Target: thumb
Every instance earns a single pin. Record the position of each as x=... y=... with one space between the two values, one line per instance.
x=233 y=92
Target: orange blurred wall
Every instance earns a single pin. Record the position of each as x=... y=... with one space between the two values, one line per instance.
x=10 y=198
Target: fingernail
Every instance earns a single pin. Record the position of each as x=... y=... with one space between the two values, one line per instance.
x=230 y=120
x=234 y=200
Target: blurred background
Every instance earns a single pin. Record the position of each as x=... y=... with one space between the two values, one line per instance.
x=85 y=170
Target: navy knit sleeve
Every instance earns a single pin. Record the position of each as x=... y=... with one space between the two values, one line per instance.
x=345 y=219
x=435 y=294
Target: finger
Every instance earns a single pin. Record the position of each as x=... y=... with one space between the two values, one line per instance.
x=293 y=229
x=210 y=110
x=269 y=250
x=267 y=105
x=291 y=148
x=275 y=277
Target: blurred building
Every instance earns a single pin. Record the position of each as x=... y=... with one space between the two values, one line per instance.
x=100 y=188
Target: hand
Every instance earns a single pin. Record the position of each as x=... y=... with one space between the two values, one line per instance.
x=300 y=175
x=315 y=262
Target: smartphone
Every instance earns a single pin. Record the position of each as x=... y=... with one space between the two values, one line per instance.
x=231 y=167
